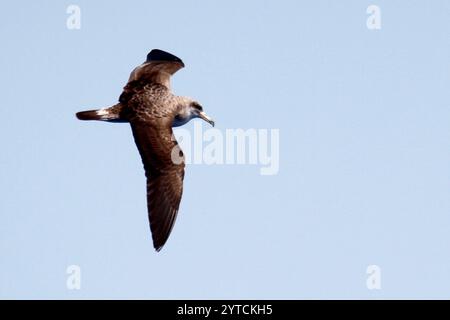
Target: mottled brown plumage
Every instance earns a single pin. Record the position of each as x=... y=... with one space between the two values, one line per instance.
x=151 y=109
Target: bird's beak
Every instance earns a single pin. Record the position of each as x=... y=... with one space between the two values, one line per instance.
x=206 y=118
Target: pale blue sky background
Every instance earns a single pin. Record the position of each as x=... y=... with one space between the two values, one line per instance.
x=364 y=119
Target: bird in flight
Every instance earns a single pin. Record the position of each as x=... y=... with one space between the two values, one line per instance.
x=151 y=109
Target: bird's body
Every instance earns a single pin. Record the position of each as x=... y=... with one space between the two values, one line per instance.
x=152 y=110
x=148 y=102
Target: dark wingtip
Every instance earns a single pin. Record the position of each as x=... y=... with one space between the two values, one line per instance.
x=158 y=246
x=160 y=55
x=158 y=243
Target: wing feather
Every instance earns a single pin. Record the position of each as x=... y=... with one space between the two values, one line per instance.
x=157 y=146
x=158 y=68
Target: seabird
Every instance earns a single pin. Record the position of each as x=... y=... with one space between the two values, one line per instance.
x=150 y=107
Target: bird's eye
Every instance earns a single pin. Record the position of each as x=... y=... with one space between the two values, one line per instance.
x=198 y=107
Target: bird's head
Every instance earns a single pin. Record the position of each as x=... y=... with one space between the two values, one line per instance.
x=197 y=111
x=191 y=109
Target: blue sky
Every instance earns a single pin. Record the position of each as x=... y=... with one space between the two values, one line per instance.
x=363 y=117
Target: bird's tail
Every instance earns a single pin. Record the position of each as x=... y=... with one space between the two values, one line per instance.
x=112 y=114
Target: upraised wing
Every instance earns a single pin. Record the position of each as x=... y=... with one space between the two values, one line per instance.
x=158 y=68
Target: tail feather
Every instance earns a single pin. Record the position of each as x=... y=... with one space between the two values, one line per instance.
x=112 y=114
x=89 y=115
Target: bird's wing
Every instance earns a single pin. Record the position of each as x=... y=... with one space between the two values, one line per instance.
x=164 y=168
x=158 y=68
